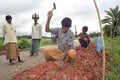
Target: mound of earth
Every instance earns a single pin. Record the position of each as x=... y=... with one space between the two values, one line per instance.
x=87 y=67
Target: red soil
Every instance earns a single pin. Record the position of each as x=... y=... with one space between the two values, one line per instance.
x=87 y=67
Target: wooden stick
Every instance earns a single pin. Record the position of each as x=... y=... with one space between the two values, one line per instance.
x=75 y=31
x=54 y=6
x=100 y=24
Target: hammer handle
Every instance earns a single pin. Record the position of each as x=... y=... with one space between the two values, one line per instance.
x=52 y=9
x=75 y=31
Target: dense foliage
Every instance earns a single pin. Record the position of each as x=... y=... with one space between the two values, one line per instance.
x=45 y=41
x=112 y=22
x=114 y=51
x=23 y=43
x=1 y=44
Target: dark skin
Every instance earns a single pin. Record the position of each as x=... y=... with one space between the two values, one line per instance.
x=9 y=21
x=47 y=28
x=49 y=16
x=35 y=20
x=35 y=23
x=84 y=37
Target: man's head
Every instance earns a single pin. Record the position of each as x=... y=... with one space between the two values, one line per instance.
x=84 y=29
x=35 y=17
x=66 y=24
x=8 y=18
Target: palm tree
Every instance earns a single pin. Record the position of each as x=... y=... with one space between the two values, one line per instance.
x=112 y=20
x=107 y=30
x=112 y=26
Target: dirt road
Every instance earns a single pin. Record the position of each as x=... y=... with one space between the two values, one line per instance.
x=7 y=70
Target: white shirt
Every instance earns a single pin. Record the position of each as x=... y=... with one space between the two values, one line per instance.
x=36 y=31
x=9 y=33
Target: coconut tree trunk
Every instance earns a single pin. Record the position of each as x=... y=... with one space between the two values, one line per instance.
x=100 y=24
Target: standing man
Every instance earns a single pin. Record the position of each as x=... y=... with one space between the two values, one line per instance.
x=36 y=35
x=66 y=47
x=10 y=41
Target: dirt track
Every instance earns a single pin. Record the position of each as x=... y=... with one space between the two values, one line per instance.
x=7 y=70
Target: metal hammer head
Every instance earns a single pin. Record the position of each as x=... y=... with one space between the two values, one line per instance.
x=54 y=6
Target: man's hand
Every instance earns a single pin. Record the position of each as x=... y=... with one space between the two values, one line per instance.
x=50 y=14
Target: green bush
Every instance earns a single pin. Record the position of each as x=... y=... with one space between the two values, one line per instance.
x=114 y=65
x=2 y=46
x=112 y=76
x=45 y=41
x=23 y=43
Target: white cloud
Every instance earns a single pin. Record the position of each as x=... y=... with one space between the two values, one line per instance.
x=81 y=12
x=17 y=6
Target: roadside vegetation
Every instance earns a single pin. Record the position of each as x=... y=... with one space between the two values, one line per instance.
x=114 y=52
x=24 y=42
x=111 y=24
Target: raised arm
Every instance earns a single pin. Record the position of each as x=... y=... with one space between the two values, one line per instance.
x=49 y=16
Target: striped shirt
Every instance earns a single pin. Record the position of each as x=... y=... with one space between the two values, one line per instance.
x=64 y=38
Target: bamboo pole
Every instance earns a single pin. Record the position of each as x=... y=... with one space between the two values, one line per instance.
x=75 y=31
x=100 y=24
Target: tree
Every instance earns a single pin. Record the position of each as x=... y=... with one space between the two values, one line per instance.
x=107 y=30
x=112 y=20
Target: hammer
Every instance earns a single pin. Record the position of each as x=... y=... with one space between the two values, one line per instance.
x=75 y=31
x=54 y=7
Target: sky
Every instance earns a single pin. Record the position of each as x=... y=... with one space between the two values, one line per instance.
x=82 y=13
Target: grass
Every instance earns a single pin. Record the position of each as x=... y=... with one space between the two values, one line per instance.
x=45 y=41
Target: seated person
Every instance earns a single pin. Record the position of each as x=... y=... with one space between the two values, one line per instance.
x=84 y=39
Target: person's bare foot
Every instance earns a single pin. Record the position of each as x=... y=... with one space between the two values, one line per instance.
x=20 y=61
x=11 y=63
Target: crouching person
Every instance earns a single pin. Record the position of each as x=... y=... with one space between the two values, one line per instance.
x=84 y=39
x=66 y=47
